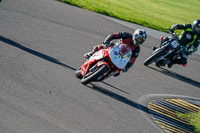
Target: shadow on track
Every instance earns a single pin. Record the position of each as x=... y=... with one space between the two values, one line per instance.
x=137 y=105
x=43 y=56
x=177 y=76
x=114 y=87
x=118 y=97
x=33 y=52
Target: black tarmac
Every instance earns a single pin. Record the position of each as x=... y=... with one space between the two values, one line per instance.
x=42 y=42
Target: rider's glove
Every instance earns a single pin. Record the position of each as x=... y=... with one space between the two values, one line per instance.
x=103 y=46
x=173 y=27
x=107 y=44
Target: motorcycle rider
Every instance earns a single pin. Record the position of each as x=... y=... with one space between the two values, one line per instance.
x=133 y=40
x=189 y=40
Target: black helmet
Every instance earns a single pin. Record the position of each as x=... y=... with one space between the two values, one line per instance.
x=139 y=36
x=196 y=26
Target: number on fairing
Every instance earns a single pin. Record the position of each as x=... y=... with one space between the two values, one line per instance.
x=174 y=44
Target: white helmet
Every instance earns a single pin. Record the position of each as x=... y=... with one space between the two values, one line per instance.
x=139 y=36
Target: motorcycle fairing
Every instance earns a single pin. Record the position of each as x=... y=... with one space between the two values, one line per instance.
x=97 y=56
x=119 y=59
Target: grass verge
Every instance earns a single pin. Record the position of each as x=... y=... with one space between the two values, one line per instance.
x=156 y=14
x=193 y=119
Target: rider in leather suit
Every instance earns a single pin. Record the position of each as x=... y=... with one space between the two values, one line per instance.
x=189 y=39
x=133 y=40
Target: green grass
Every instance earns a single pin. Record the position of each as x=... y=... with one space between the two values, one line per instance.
x=156 y=14
x=193 y=119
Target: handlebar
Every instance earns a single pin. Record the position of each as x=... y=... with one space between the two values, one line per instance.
x=173 y=34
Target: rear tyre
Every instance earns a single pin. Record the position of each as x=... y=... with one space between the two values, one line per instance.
x=94 y=75
x=153 y=57
x=78 y=74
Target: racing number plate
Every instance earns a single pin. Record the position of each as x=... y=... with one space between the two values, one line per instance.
x=175 y=44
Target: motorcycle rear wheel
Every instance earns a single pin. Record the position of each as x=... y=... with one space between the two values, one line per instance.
x=94 y=75
x=153 y=57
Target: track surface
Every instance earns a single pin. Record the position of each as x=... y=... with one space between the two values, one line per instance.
x=42 y=42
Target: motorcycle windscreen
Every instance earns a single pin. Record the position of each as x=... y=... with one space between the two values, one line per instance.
x=120 y=55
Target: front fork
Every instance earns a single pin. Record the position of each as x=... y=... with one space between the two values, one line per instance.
x=109 y=73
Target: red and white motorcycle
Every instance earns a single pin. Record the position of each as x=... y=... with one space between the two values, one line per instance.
x=104 y=63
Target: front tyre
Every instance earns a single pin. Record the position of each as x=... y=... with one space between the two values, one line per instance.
x=89 y=77
x=78 y=74
x=153 y=57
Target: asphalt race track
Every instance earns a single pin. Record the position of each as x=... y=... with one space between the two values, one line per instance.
x=42 y=42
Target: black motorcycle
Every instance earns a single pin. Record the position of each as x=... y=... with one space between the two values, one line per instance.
x=169 y=50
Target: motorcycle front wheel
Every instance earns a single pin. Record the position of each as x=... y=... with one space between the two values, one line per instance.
x=78 y=74
x=153 y=57
x=92 y=76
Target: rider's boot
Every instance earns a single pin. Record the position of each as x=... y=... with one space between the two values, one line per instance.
x=171 y=64
x=116 y=74
x=88 y=55
x=158 y=65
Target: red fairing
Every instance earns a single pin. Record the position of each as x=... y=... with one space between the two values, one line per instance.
x=84 y=68
x=95 y=58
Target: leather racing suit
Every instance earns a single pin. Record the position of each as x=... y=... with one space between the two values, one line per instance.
x=188 y=39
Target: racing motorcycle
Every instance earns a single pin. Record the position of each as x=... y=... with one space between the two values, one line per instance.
x=169 y=50
x=104 y=63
